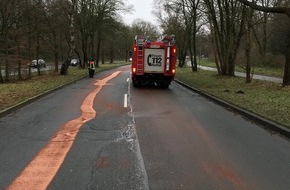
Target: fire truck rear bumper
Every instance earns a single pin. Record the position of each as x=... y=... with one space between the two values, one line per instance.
x=149 y=78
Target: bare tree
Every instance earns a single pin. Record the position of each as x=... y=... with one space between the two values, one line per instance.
x=127 y=37
x=92 y=19
x=280 y=10
x=13 y=24
x=227 y=20
x=190 y=14
x=8 y=17
x=172 y=21
x=55 y=19
x=186 y=14
x=141 y=27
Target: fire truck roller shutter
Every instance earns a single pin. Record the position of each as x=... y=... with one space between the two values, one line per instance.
x=154 y=60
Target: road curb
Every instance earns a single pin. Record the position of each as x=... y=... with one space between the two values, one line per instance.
x=267 y=124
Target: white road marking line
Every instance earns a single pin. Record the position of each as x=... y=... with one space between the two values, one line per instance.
x=125 y=100
x=128 y=79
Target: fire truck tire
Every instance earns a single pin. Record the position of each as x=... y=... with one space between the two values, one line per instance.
x=164 y=85
x=136 y=84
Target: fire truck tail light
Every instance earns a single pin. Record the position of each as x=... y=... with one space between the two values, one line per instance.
x=174 y=50
x=135 y=49
x=134 y=70
x=173 y=71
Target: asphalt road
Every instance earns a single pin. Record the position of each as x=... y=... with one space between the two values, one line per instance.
x=87 y=136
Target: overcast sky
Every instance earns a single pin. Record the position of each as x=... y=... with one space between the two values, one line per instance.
x=143 y=9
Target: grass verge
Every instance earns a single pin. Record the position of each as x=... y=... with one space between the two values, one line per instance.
x=19 y=91
x=267 y=99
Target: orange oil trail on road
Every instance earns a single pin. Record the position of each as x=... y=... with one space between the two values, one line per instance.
x=41 y=170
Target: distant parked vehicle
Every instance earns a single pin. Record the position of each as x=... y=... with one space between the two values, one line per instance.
x=40 y=63
x=74 y=62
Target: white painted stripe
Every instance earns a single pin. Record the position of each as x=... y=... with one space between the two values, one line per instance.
x=125 y=101
x=128 y=79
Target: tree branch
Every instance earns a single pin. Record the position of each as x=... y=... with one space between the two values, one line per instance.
x=280 y=10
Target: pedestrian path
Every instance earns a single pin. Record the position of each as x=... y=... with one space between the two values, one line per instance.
x=240 y=74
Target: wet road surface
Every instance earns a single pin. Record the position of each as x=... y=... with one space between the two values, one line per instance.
x=188 y=142
x=158 y=139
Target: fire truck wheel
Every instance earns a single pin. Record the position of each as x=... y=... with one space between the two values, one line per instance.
x=164 y=85
x=136 y=84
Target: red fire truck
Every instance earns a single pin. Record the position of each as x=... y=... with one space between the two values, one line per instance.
x=153 y=62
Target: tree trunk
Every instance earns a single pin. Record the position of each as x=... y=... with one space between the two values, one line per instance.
x=194 y=44
x=1 y=77
x=72 y=38
x=98 y=49
x=249 y=14
x=215 y=52
x=72 y=31
x=248 y=62
x=92 y=49
x=103 y=55
x=264 y=37
x=55 y=53
x=190 y=49
x=182 y=51
x=37 y=54
x=84 y=49
x=181 y=58
x=6 y=58
x=112 y=55
x=19 y=61
x=286 y=78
